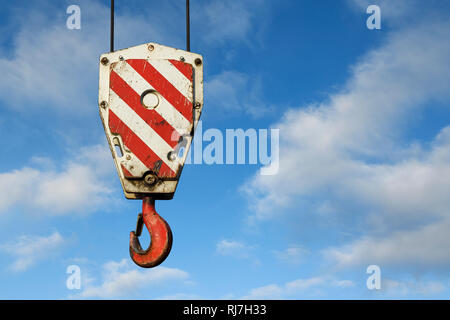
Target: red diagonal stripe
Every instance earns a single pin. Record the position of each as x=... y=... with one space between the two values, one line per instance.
x=184 y=68
x=163 y=86
x=125 y=171
x=151 y=117
x=137 y=146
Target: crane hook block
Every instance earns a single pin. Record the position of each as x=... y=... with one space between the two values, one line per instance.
x=150 y=101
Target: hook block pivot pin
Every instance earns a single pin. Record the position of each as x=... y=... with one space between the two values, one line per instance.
x=160 y=237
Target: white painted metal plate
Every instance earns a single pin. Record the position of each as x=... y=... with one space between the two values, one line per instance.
x=150 y=98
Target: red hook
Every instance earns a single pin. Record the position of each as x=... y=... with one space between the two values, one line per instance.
x=160 y=237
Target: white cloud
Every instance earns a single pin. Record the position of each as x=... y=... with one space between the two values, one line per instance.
x=325 y=145
x=424 y=247
x=304 y=284
x=417 y=287
x=343 y=283
x=121 y=279
x=79 y=185
x=56 y=68
x=292 y=254
x=350 y=153
x=50 y=66
x=230 y=21
x=28 y=250
x=304 y=288
x=181 y=296
x=297 y=288
x=392 y=10
x=233 y=92
x=233 y=248
x=271 y=291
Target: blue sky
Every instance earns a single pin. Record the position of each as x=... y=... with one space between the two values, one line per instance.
x=364 y=173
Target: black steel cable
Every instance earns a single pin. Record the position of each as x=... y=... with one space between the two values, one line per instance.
x=188 y=31
x=112 y=26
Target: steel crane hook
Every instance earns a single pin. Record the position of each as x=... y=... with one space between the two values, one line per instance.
x=160 y=237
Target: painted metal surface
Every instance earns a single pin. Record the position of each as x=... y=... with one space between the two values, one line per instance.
x=160 y=233
x=150 y=98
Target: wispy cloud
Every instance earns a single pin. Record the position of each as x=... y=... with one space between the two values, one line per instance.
x=228 y=21
x=292 y=254
x=122 y=279
x=392 y=10
x=56 y=68
x=297 y=288
x=28 y=250
x=180 y=296
x=407 y=288
x=424 y=248
x=233 y=248
x=78 y=185
x=353 y=153
x=234 y=93
x=327 y=144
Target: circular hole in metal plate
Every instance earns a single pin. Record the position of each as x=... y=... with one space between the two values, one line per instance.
x=149 y=99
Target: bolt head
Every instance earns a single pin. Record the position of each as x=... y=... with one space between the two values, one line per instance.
x=103 y=104
x=198 y=62
x=150 y=179
x=151 y=47
x=171 y=156
x=104 y=61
